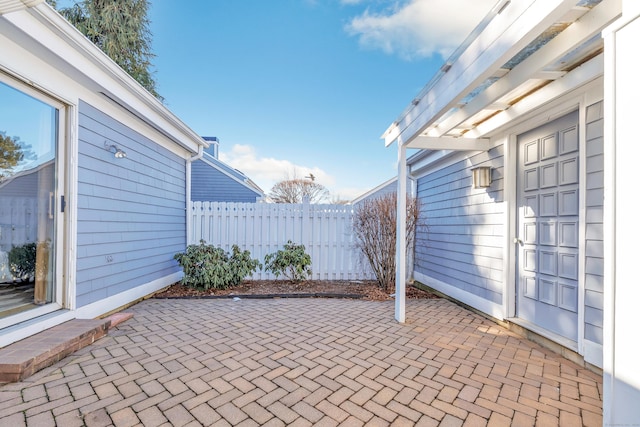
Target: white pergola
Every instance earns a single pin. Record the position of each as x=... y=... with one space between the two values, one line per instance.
x=523 y=55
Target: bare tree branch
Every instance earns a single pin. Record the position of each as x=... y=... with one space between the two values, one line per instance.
x=374 y=228
x=294 y=190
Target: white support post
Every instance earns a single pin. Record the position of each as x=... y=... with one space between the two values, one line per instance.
x=621 y=378
x=188 y=204
x=401 y=234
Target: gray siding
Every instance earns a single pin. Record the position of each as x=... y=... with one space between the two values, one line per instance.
x=131 y=212
x=594 y=246
x=208 y=184
x=463 y=243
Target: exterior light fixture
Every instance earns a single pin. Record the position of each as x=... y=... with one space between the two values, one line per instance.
x=117 y=153
x=481 y=176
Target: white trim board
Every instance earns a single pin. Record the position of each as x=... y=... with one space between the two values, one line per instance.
x=487 y=307
x=106 y=305
x=592 y=353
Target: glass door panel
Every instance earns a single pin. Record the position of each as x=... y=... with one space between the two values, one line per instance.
x=28 y=208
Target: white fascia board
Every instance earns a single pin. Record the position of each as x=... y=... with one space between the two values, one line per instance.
x=7 y=6
x=580 y=31
x=506 y=35
x=580 y=76
x=450 y=143
x=55 y=34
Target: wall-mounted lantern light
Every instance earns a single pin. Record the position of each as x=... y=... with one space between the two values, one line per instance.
x=481 y=176
x=117 y=153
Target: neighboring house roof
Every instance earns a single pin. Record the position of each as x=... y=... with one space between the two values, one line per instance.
x=389 y=186
x=22 y=183
x=521 y=55
x=214 y=181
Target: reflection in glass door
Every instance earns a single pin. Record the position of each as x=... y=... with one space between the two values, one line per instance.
x=28 y=195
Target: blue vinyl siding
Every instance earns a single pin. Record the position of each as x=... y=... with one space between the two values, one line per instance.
x=594 y=245
x=209 y=184
x=463 y=243
x=131 y=211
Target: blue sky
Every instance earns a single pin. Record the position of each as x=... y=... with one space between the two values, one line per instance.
x=297 y=86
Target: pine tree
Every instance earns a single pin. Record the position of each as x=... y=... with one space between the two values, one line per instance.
x=12 y=153
x=121 y=29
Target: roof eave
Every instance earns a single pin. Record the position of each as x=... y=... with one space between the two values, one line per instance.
x=111 y=80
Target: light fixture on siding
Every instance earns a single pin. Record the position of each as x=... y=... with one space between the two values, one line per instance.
x=117 y=153
x=481 y=176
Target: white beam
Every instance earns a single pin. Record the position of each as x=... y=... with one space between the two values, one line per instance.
x=450 y=143
x=531 y=68
x=508 y=33
x=401 y=235
x=576 y=78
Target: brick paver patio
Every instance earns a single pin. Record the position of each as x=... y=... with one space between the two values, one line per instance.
x=306 y=362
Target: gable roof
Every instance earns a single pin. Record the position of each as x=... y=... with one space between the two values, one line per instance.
x=234 y=174
x=523 y=54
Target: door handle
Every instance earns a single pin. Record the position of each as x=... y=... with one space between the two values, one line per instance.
x=518 y=241
x=51 y=205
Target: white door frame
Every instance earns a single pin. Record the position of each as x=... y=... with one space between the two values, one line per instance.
x=577 y=99
x=65 y=223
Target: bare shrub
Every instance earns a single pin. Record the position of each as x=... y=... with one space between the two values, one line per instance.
x=374 y=229
x=295 y=190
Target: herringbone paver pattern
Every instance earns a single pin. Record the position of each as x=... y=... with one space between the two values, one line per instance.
x=305 y=362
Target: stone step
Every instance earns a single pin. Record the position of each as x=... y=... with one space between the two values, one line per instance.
x=26 y=357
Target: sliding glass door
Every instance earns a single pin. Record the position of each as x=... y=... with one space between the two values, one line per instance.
x=30 y=203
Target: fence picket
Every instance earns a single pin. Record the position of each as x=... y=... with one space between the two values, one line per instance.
x=263 y=228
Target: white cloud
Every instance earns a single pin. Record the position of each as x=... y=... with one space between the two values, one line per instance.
x=266 y=171
x=420 y=28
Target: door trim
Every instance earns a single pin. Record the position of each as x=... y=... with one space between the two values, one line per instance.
x=579 y=99
x=66 y=184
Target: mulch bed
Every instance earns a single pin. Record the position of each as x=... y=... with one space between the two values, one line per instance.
x=368 y=290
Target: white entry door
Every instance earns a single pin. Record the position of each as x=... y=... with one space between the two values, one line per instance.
x=548 y=218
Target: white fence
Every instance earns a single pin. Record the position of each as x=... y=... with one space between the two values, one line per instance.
x=262 y=228
x=18 y=225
